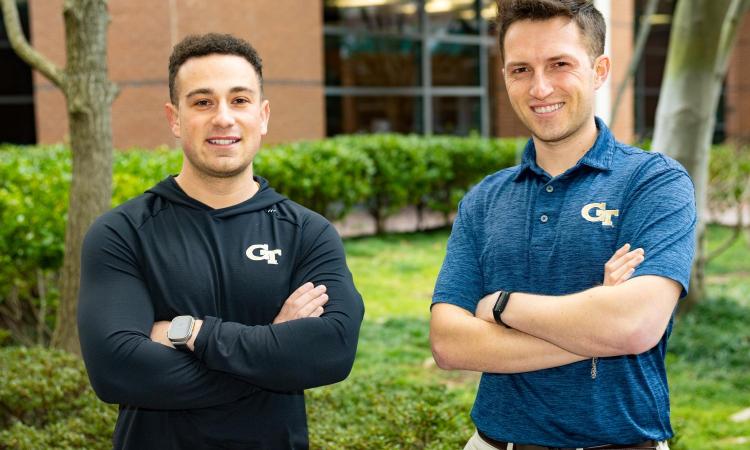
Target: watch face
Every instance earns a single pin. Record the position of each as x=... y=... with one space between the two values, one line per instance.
x=180 y=328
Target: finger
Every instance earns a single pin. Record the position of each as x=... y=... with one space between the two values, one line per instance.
x=618 y=263
x=307 y=296
x=621 y=251
x=625 y=277
x=318 y=312
x=308 y=309
x=301 y=290
x=631 y=264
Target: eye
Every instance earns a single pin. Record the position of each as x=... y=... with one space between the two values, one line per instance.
x=560 y=64
x=202 y=102
x=519 y=70
x=241 y=100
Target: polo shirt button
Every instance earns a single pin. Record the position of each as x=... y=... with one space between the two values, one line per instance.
x=544 y=218
x=549 y=188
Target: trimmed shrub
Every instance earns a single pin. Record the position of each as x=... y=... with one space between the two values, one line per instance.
x=325 y=176
x=382 y=172
x=46 y=402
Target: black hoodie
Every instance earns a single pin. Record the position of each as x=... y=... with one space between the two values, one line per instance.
x=164 y=254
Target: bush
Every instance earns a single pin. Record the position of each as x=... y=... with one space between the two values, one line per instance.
x=46 y=402
x=325 y=176
x=379 y=411
x=331 y=176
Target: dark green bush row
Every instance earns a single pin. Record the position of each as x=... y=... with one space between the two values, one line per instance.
x=46 y=402
x=383 y=172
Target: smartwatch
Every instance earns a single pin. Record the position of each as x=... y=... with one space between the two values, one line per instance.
x=180 y=331
x=500 y=304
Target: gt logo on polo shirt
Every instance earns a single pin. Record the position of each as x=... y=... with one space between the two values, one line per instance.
x=600 y=213
x=260 y=252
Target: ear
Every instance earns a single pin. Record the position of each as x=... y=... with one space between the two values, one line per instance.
x=173 y=117
x=602 y=65
x=265 y=116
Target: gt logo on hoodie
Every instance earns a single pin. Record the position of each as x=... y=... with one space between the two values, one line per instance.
x=260 y=252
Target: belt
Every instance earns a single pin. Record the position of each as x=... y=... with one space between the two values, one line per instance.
x=504 y=445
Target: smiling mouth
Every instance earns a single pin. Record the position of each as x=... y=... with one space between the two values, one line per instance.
x=547 y=109
x=223 y=141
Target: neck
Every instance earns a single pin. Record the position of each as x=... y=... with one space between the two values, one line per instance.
x=555 y=157
x=217 y=192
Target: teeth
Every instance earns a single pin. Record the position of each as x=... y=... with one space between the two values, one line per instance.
x=223 y=141
x=548 y=109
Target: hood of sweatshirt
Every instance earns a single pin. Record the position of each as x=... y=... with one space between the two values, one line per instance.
x=171 y=192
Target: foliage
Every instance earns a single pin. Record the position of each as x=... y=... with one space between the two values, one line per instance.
x=46 y=402
x=729 y=177
x=386 y=172
x=395 y=397
x=325 y=176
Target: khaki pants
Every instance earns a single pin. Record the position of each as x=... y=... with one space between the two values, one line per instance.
x=477 y=443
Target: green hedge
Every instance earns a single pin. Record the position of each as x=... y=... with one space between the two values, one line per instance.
x=46 y=402
x=384 y=173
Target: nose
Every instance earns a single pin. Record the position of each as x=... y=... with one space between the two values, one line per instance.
x=541 y=88
x=223 y=117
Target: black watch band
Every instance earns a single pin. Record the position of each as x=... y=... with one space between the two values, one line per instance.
x=500 y=304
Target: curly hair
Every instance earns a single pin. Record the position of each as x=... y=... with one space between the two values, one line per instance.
x=583 y=12
x=194 y=46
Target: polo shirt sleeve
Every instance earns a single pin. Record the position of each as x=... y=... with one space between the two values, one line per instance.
x=460 y=280
x=660 y=216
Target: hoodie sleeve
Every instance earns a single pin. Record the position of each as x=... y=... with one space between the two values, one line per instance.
x=301 y=353
x=115 y=317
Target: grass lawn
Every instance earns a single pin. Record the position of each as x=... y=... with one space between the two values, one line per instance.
x=397 y=398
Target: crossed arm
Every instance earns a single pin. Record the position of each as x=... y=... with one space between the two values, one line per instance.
x=311 y=342
x=625 y=316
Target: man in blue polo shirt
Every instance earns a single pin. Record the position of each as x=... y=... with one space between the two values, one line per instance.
x=567 y=362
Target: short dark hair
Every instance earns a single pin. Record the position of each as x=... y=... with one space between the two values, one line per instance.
x=194 y=46
x=589 y=20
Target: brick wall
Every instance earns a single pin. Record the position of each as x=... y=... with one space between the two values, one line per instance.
x=286 y=33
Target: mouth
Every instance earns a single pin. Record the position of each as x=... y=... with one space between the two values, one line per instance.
x=547 y=108
x=223 y=141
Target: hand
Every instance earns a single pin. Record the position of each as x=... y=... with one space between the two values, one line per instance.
x=621 y=265
x=306 y=301
x=159 y=333
x=485 y=305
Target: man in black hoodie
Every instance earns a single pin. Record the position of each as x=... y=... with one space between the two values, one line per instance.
x=209 y=303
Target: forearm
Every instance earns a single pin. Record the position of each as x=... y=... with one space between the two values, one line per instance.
x=290 y=356
x=603 y=321
x=462 y=341
x=133 y=370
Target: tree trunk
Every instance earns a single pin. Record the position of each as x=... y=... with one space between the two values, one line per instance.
x=89 y=96
x=702 y=36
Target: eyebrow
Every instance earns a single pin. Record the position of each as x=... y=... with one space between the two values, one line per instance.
x=207 y=91
x=550 y=59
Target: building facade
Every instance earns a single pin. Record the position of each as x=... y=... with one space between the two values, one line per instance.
x=335 y=66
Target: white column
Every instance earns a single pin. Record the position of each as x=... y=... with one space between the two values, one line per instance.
x=603 y=106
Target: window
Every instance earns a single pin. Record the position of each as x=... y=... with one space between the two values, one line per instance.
x=408 y=66
x=16 y=90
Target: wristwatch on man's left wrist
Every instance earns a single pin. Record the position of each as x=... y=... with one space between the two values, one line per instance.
x=180 y=331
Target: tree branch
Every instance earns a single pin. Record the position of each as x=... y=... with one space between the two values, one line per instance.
x=729 y=35
x=24 y=50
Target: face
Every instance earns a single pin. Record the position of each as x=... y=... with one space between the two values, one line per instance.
x=551 y=79
x=220 y=116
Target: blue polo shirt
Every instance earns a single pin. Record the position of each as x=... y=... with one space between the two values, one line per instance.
x=524 y=231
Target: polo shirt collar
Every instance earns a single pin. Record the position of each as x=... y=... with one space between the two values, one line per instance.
x=598 y=157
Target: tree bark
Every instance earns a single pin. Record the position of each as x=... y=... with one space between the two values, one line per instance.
x=89 y=95
x=702 y=37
